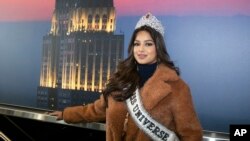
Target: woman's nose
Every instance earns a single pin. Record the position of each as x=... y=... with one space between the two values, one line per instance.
x=141 y=48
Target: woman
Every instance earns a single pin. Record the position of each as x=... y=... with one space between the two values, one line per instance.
x=167 y=110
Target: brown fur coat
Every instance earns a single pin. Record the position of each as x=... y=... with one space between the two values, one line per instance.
x=165 y=96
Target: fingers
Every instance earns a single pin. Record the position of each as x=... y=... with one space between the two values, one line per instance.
x=57 y=114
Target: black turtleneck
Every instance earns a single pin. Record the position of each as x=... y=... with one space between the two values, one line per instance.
x=145 y=71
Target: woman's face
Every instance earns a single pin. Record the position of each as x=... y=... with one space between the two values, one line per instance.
x=144 y=48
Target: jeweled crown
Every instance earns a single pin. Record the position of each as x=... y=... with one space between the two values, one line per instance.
x=151 y=21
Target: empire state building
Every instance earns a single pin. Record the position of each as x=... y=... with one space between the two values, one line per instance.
x=79 y=53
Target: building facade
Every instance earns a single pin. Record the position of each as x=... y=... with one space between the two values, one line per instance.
x=79 y=53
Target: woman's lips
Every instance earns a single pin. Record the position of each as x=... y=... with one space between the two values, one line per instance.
x=142 y=56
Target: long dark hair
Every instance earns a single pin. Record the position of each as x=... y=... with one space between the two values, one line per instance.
x=124 y=81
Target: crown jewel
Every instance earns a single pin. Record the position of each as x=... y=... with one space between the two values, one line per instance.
x=150 y=21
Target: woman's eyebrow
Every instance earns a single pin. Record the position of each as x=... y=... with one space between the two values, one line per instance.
x=149 y=40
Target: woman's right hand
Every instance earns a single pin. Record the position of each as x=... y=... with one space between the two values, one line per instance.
x=57 y=114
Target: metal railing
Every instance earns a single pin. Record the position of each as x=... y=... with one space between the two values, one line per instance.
x=39 y=114
x=4 y=137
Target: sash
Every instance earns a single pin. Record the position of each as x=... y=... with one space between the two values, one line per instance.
x=146 y=123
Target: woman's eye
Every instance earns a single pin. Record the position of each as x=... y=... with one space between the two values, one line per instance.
x=149 y=44
x=136 y=44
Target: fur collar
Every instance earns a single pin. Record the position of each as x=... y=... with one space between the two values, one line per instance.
x=157 y=87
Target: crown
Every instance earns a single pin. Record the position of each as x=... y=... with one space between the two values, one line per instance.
x=151 y=21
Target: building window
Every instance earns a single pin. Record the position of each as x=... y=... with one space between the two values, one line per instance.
x=89 y=26
x=104 y=27
x=104 y=19
x=96 y=27
x=90 y=18
x=97 y=19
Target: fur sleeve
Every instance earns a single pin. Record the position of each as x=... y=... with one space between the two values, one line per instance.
x=93 y=112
